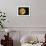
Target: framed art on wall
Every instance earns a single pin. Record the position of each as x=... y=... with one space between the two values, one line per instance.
x=23 y=11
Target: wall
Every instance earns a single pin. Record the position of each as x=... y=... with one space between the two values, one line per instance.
x=37 y=18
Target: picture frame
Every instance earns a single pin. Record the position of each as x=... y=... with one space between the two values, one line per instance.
x=23 y=11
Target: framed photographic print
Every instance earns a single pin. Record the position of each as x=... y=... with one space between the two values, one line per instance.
x=23 y=11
